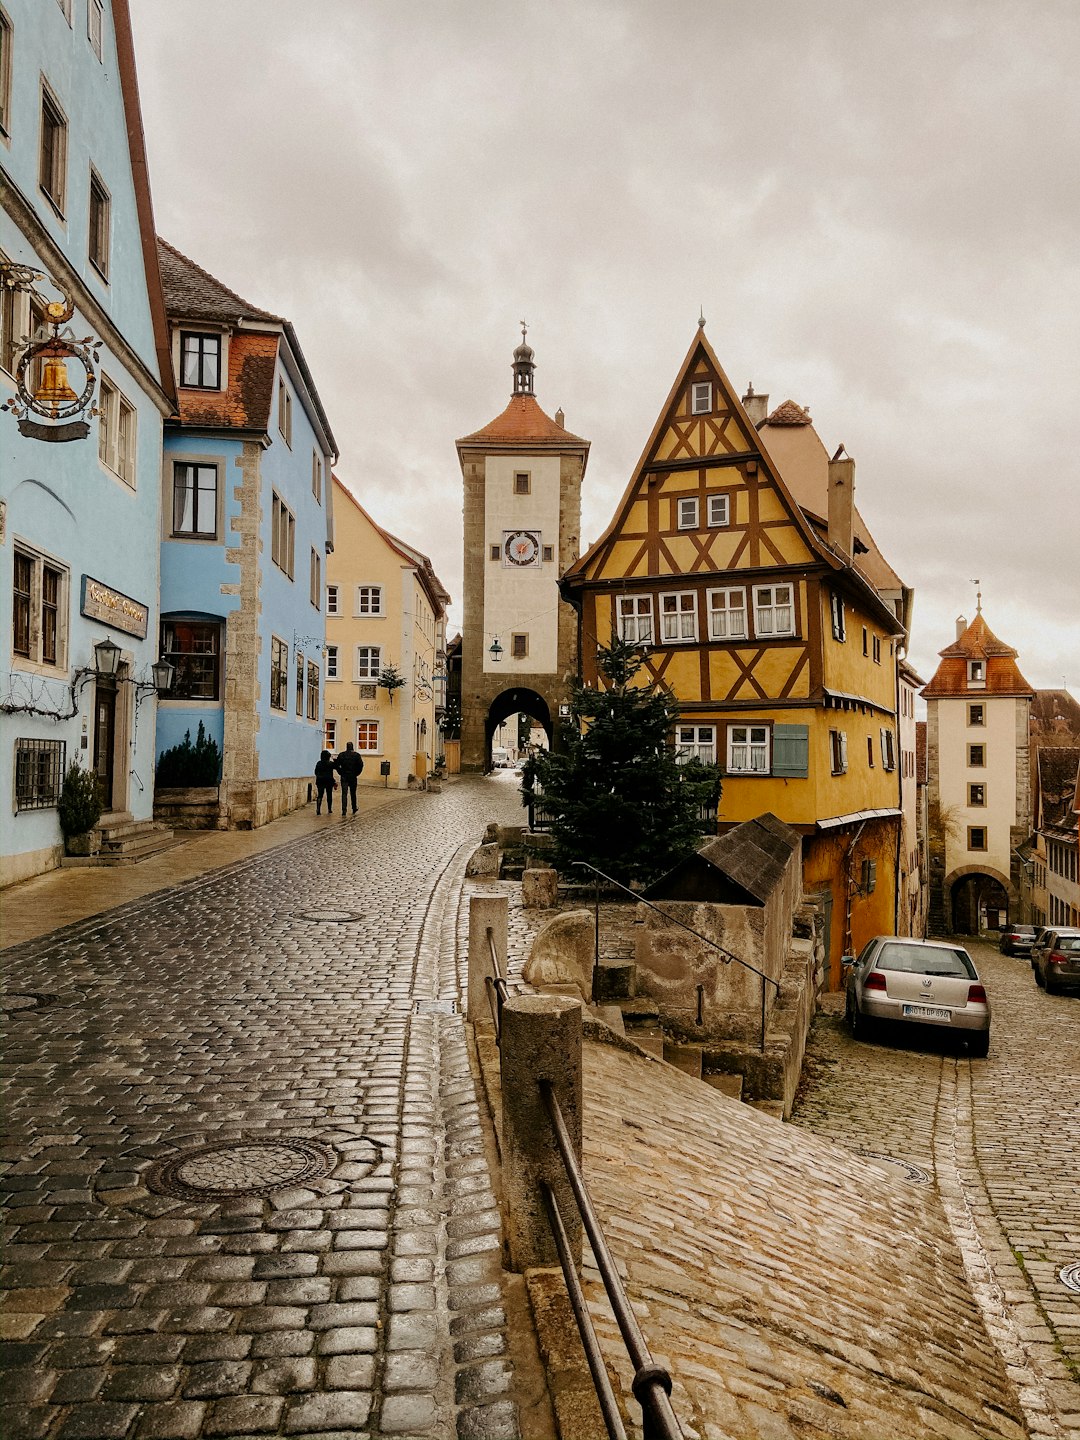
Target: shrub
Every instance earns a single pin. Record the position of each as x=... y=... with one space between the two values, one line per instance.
x=187 y=765
x=80 y=801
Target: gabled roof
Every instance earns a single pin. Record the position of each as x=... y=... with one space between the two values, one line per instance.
x=192 y=293
x=1055 y=712
x=742 y=866
x=978 y=642
x=523 y=423
x=437 y=592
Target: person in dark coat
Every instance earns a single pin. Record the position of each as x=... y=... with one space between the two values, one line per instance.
x=348 y=765
x=324 y=783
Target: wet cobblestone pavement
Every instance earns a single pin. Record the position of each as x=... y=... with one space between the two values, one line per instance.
x=1000 y=1140
x=329 y=1264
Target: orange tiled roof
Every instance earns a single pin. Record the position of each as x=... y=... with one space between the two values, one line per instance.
x=245 y=405
x=524 y=423
x=789 y=414
x=978 y=642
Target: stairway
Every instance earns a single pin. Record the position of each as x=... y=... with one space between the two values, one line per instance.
x=126 y=841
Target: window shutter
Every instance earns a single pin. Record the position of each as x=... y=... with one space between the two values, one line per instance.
x=791 y=751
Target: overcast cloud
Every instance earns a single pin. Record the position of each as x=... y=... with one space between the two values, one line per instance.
x=876 y=206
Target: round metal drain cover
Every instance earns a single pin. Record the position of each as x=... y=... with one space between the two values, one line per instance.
x=241 y=1167
x=912 y=1173
x=16 y=1002
x=328 y=917
x=1069 y=1275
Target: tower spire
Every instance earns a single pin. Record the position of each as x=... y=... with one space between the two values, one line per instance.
x=523 y=366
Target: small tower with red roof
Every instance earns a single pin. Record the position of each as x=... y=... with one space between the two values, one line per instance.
x=522 y=521
x=978 y=707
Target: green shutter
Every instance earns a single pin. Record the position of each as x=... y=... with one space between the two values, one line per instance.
x=791 y=751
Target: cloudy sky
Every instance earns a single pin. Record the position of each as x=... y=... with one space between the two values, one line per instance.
x=875 y=205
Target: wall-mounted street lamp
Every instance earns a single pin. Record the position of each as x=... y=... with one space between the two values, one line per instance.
x=495 y=650
x=106 y=658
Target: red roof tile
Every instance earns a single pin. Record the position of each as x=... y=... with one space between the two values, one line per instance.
x=789 y=414
x=978 y=642
x=524 y=423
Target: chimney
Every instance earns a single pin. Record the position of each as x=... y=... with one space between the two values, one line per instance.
x=961 y=625
x=756 y=406
x=842 y=504
x=560 y=418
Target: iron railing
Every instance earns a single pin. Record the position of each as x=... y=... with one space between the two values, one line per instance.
x=725 y=955
x=495 y=985
x=652 y=1383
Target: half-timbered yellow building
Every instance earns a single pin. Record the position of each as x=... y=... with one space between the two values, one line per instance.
x=767 y=610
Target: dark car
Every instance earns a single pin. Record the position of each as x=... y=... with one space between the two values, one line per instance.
x=1056 y=960
x=1017 y=939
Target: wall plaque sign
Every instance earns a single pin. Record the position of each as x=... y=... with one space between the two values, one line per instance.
x=101 y=602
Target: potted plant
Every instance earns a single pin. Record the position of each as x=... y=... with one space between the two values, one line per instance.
x=79 y=810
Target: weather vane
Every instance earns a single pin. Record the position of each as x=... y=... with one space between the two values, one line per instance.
x=524 y=328
x=978 y=596
x=701 y=317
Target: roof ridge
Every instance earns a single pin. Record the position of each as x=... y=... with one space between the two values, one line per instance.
x=246 y=306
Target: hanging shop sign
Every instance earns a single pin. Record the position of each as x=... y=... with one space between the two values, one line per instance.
x=43 y=386
x=101 y=602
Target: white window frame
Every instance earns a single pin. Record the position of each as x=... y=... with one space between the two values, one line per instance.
x=701 y=397
x=726 y=611
x=678 y=620
x=838 y=756
x=976 y=674
x=95 y=24
x=116 y=432
x=695 y=742
x=368 y=668
x=333 y=600
x=361 y=741
x=331 y=662
x=369 y=602
x=634 y=619
x=888 y=748
x=54 y=185
x=282 y=536
x=718 y=509
x=749 y=749
x=99 y=203
x=39 y=563
x=316 y=578
x=330 y=734
x=767 y=612
x=687 y=511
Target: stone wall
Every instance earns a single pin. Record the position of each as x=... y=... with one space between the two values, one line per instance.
x=190 y=808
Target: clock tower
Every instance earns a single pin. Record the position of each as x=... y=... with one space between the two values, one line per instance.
x=522 y=475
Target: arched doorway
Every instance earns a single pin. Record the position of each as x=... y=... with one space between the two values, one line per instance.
x=517 y=701
x=978 y=900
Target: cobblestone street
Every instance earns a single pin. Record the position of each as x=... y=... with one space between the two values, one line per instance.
x=1000 y=1138
x=296 y=1010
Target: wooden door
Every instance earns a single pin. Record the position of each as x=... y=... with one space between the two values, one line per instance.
x=105 y=739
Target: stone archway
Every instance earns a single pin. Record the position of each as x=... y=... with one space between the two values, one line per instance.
x=978 y=898
x=514 y=701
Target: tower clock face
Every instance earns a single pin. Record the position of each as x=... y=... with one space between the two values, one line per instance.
x=521 y=547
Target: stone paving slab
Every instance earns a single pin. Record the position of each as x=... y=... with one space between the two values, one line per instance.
x=359 y=1289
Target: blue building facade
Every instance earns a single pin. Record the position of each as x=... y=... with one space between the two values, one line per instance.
x=80 y=517
x=247 y=523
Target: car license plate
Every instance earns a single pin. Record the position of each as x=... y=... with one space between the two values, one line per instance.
x=925 y=1012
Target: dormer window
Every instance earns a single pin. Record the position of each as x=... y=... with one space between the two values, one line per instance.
x=701 y=397
x=976 y=674
x=200 y=361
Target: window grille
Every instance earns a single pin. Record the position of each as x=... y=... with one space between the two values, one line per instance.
x=39 y=773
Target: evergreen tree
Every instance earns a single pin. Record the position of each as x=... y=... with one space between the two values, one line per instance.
x=615 y=793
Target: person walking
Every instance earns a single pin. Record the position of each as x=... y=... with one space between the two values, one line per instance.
x=324 y=783
x=349 y=766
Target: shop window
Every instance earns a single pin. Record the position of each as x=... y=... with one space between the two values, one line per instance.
x=193 y=648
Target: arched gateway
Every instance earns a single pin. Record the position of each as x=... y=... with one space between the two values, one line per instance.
x=522 y=476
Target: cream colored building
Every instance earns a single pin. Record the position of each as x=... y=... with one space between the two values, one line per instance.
x=385 y=619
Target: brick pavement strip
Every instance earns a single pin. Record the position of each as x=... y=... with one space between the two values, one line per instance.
x=212 y=1014
x=1000 y=1139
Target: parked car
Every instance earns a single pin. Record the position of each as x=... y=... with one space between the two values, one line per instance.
x=1056 y=960
x=917 y=982
x=1017 y=939
x=1040 y=939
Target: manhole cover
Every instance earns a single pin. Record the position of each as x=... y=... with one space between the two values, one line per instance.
x=1069 y=1275
x=242 y=1167
x=912 y=1173
x=328 y=917
x=435 y=1007
x=16 y=1002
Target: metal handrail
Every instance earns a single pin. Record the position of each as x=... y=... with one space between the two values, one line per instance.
x=652 y=1383
x=495 y=986
x=725 y=955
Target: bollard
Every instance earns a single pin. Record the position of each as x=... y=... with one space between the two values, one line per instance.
x=541 y=1040
x=485 y=911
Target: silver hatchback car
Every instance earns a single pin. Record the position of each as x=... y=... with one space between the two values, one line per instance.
x=917 y=982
